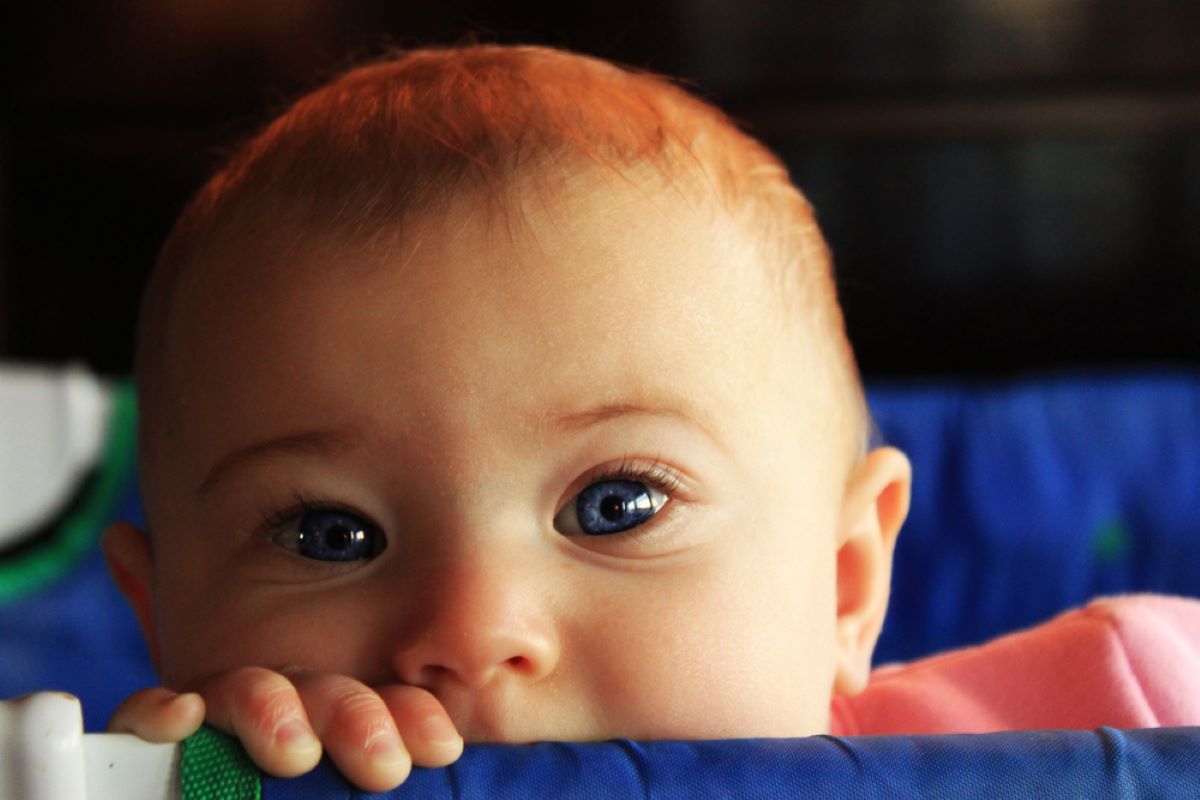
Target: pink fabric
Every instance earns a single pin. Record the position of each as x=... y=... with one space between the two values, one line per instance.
x=1125 y=662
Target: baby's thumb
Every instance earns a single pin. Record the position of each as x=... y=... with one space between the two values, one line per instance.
x=159 y=715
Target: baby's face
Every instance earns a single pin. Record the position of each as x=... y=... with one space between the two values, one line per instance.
x=562 y=467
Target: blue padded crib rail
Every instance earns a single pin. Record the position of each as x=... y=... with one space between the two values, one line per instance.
x=1028 y=765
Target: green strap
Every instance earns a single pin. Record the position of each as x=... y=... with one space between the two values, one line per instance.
x=213 y=766
x=43 y=564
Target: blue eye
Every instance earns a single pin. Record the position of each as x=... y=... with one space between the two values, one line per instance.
x=327 y=535
x=608 y=507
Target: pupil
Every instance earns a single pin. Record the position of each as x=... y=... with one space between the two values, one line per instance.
x=338 y=538
x=612 y=508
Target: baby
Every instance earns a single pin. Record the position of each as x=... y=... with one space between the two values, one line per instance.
x=500 y=394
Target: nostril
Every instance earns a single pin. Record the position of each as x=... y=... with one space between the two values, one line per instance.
x=519 y=663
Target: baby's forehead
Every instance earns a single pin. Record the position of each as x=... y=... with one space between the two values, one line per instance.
x=612 y=248
x=584 y=230
x=606 y=291
x=542 y=212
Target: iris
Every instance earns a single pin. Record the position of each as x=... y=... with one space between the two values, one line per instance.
x=609 y=507
x=335 y=536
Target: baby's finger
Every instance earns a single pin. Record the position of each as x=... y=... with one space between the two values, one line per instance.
x=356 y=728
x=426 y=728
x=263 y=709
x=159 y=715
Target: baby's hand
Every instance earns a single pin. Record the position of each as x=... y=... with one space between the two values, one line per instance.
x=373 y=735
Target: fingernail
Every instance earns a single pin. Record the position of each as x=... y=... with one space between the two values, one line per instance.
x=294 y=735
x=166 y=698
x=386 y=752
x=187 y=703
x=438 y=730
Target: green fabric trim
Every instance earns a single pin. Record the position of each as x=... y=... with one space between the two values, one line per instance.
x=213 y=766
x=29 y=571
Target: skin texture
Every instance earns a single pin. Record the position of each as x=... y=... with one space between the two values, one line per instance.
x=468 y=382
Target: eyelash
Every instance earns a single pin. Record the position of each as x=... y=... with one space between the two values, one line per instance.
x=654 y=473
x=301 y=504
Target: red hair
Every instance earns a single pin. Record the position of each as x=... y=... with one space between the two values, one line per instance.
x=389 y=138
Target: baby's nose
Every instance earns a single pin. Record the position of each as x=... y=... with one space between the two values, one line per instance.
x=477 y=620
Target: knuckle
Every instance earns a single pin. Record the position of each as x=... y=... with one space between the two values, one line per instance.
x=358 y=716
x=143 y=703
x=266 y=698
x=243 y=675
x=140 y=703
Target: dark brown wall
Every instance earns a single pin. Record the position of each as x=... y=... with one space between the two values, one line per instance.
x=1007 y=184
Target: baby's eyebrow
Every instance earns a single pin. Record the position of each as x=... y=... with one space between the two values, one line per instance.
x=582 y=419
x=326 y=442
x=315 y=442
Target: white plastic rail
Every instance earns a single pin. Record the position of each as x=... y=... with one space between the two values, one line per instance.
x=45 y=755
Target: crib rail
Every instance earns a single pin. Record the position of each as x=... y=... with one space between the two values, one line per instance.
x=45 y=755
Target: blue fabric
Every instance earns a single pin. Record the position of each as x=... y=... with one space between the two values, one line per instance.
x=1106 y=763
x=77 y=636
x=1033 y=497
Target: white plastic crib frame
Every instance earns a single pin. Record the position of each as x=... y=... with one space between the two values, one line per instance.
x=45 y=755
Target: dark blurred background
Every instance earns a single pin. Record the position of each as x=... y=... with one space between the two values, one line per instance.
x=1008 y=185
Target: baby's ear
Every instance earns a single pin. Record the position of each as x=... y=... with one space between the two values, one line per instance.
x=873 y=509
x=131 y=562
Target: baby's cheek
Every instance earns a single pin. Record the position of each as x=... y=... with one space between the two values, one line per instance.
x=702 y=655
x=226 y=627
